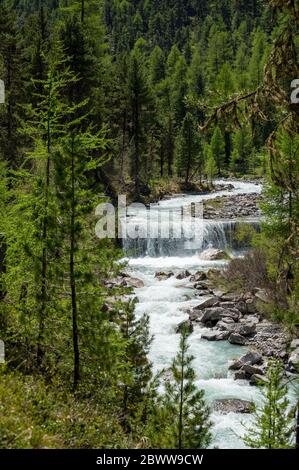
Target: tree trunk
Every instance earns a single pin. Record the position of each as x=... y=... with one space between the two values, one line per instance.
x=44 y=271
x=73 y=278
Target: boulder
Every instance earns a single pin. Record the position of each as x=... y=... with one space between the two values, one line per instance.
x=293 y=363
x=231 y=297
x=250 y=319
x=294 y=344
x=134 y=282
x=226 y=326
x=251 y=357
x=215 y=314
x=202 y=285
x=241 y=306
x=207 y=303
x=202 y=293
x=195 y=315
x=212 y=254
x=240 y=375
x=215 y=335
x=252 y=370
x=185 y=324
x=198 y=277
x=235 y=338
x=183 y=275
x=228 y=304
x=246 y=329
x=161 y=276
x=232 y=405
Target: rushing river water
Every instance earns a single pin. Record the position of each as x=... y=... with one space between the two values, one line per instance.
x=166 y=303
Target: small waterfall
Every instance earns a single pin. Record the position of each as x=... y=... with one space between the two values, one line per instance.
x=207 y=234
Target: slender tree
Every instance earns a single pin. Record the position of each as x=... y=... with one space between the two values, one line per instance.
x=272 y=427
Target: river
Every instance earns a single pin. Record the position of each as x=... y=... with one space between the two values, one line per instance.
x=166 y=303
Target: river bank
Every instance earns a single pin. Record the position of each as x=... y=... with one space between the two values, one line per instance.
x=174 y=283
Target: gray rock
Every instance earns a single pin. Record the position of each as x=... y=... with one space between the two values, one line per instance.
x=240 y=375
x=252 y=370
x=202 y=285
x=185 y=324
x=207 y=303
x=213 y=254
x=198 y=277
x=215 y=335
x=195 y=315
x=293 y=364
x=294 y=344
x=215 y=314
x=251 y=357
x=228 y=304
x=246 y=329
x=202 y=293
x=228 y=320
x=183 y=275
x=163 y=276
x=235 y=338
x=134 y=282
x=232 y=405
x=241 y=306
x=226 y=326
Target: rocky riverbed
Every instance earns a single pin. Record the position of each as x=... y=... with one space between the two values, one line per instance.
x=239 y=319
x=233 y=207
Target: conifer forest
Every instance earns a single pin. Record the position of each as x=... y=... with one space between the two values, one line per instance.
x=149 y=224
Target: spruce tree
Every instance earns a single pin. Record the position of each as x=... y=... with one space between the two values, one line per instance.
x=217 y=149
x=139 y=99
x=187 y=148
x=137 y=368
x=185 y=404
x=242 y=151
x=272 y=428
x=210 y=164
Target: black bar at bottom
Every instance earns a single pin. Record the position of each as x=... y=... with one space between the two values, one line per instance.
x=86 y=459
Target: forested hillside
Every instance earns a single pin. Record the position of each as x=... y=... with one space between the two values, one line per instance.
x=135 y=97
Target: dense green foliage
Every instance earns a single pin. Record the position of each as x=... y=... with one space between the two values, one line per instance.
x=273 y=429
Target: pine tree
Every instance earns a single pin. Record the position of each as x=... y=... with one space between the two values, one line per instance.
x=138 y=373
x=272 y=427
x=210 y=164
x=217 y=149
x=189 y=413
x=179 y=90
x=242 y=151
x=195 y=74
x=11 y=69
x=187 y=148
x=139 y=97
x=157 y=66
x=258 y=57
